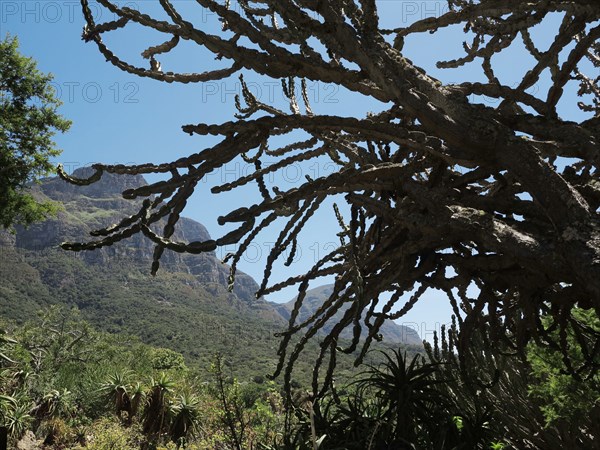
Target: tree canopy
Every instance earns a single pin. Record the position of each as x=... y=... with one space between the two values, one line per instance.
x=496 y=205
x=28 y=122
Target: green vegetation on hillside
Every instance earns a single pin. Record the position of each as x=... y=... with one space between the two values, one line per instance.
x=186 y=307
x=171 y=310
x=75 y=387
x=64 y=385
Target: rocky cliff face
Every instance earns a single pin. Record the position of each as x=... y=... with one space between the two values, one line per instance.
x=100 y=204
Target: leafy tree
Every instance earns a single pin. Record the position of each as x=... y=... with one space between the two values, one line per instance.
x=494 y=204
x=28 y=122
x=59 y=343
x=565 y=398
x=166 y=359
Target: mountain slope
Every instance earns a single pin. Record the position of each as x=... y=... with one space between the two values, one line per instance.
x=98 y=205
x=391 y=331
x=186 y=307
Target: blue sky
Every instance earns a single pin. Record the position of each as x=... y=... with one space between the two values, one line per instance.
x=118 y=118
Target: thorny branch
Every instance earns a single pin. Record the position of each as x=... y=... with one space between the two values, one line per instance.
x=445 y=193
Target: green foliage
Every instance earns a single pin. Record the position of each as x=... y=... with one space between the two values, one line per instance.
x=7 y=405
x=115 y=389
x=395 y=404
x=490 y=390
x=108 y=434
x=473 y=399
x=157 y=407
x=64 y=352
x=232 y=413
x=5 y=341
x=28 y=122
x=185 y=414
x=563 y=396
x=17 y=419
x=78 y=388
x=164 y=359
x=15 y=405
x=87 y=389
x=267 y=416
x=56 y=404
x=407 y=396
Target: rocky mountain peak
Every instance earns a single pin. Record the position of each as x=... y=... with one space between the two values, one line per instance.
x=110 y=185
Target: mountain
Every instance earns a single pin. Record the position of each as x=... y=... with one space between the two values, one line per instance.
x=186 y=307
x=98 y=205
x=391 y=331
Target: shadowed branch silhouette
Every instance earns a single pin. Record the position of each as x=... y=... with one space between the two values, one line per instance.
x=494 y=205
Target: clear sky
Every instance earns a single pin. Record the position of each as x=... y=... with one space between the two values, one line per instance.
x=119 y=118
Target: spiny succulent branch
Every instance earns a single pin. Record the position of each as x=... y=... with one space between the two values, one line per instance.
x=487 y=381
x=494 y=205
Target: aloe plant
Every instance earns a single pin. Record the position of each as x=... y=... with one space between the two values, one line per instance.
x=156 y=408
x=115 y=390
x=15 y=415
x=186 y=415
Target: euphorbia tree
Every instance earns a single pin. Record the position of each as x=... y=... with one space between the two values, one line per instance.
x=444 y=192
